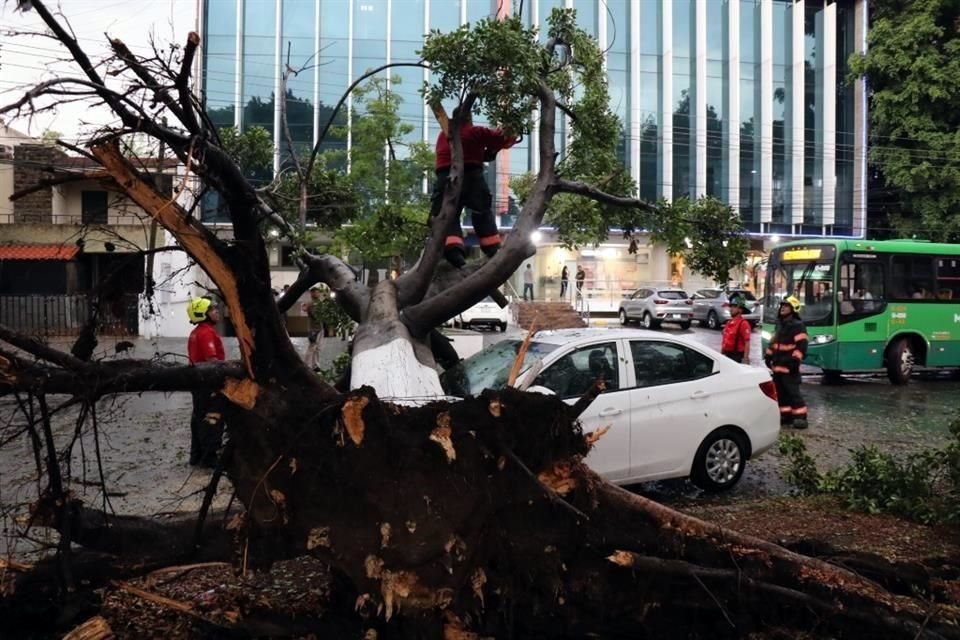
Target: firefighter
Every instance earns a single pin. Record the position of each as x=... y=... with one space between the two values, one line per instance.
x=205 y=345
x=480 y=145
x=736 y=333
x=784 y=355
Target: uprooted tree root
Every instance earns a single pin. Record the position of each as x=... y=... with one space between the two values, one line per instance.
x=477 y=517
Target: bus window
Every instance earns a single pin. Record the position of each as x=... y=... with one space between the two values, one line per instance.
x=911 y=278
x=948 y=279
x=861 y=289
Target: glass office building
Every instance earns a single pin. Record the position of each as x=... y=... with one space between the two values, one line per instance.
x=745 y=100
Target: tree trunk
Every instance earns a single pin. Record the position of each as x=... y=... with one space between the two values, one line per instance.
x=387 y=358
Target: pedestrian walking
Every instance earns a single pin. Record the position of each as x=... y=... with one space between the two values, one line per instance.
x=206 y=421
x=784 y=354
x=316 y=328
x=580 y=277
x=564 y=281
x=736 y=333
x=528 y=282
x=480 y=144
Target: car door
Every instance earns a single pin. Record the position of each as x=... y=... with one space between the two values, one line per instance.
x=635 y=309
x=570 y=375
x=701 y=304
x=670 y=408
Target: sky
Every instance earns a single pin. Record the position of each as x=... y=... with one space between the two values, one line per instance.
x=29 y=59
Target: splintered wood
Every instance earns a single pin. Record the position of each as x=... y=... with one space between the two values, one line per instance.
x=352 y=417
x=242 y=393
x=559 y=477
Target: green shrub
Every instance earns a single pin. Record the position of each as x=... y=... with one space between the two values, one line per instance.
x=924 y=486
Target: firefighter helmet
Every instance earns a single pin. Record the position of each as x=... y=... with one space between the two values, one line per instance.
x=794 y=303
x=197 y=310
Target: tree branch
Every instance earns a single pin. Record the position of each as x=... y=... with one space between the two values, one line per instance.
x=580 y=188
x=412 y=285
x=197 y=241
x=517 y=247
x=182 y=83
x=150 y=82
x=351 y=294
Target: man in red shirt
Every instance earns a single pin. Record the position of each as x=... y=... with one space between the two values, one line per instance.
x=479 y=144
x=736 y=333
x=205 y=345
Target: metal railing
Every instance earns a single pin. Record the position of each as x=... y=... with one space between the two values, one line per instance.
x=65 y=315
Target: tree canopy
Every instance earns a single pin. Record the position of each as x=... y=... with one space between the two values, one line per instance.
x=912 y=66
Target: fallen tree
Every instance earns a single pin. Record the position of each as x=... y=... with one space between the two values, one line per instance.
x=467 y=518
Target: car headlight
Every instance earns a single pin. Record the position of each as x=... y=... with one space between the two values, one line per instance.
x=766 y=335
x=824 y=339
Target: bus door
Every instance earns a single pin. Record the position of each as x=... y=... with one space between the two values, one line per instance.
x=863 y=325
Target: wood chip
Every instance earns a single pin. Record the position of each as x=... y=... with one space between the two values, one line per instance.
x=96 y=628
x=559 y=477
x=318 y=537
x=594 y=436
x=242 y=393
x=622 y=558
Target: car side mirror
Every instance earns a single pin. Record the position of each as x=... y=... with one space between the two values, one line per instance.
x=538 y=388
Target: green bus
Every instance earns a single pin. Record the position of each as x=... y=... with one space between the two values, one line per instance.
x=870 y=306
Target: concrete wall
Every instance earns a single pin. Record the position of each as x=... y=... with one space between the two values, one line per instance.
x=9 y=140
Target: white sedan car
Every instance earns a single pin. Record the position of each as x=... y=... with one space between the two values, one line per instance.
x=677 y=408
x=485 y=313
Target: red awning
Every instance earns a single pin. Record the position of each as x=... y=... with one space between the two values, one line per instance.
x=38 y=251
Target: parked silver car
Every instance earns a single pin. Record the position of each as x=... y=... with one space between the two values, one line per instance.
x=711 y=307
x=653 y=305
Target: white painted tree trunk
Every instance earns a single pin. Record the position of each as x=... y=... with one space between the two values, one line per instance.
x=386 y=357
x=393 y=370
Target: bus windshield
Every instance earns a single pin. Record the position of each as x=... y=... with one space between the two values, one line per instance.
x=807 y=273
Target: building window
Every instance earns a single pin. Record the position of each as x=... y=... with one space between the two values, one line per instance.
x=93 y=207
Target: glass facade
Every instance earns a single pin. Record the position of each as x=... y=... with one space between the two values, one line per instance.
x=779 y=136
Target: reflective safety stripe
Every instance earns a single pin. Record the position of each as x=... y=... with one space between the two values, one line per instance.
x=786 y=410
x=781 y=370
x=489 y=241
x=799 y=411
x=453 y=240
x=800 y=336
x=798 y=354
x=787 y=347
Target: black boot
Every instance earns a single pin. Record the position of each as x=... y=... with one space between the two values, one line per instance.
x=455 y=255
x=799 y=423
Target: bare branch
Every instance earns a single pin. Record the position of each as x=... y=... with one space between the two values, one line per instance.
x=351 y=294
x=343 y=99
x=182 y=83
x=150 y=82
x=580 y=188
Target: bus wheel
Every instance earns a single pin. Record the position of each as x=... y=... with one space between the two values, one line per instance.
x=900 y=360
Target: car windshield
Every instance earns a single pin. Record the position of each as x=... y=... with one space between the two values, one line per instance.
x=489 y=368
x=673 y=295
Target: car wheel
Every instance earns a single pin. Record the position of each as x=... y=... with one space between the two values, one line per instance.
x=713 y=321
x=719 y=462
x=685 y=325
x=624 y=320
x=900 y=361
x=648 y=321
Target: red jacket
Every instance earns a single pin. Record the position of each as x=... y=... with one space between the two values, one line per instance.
x=477 y=141
x=204 y=344
x=736 y=335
